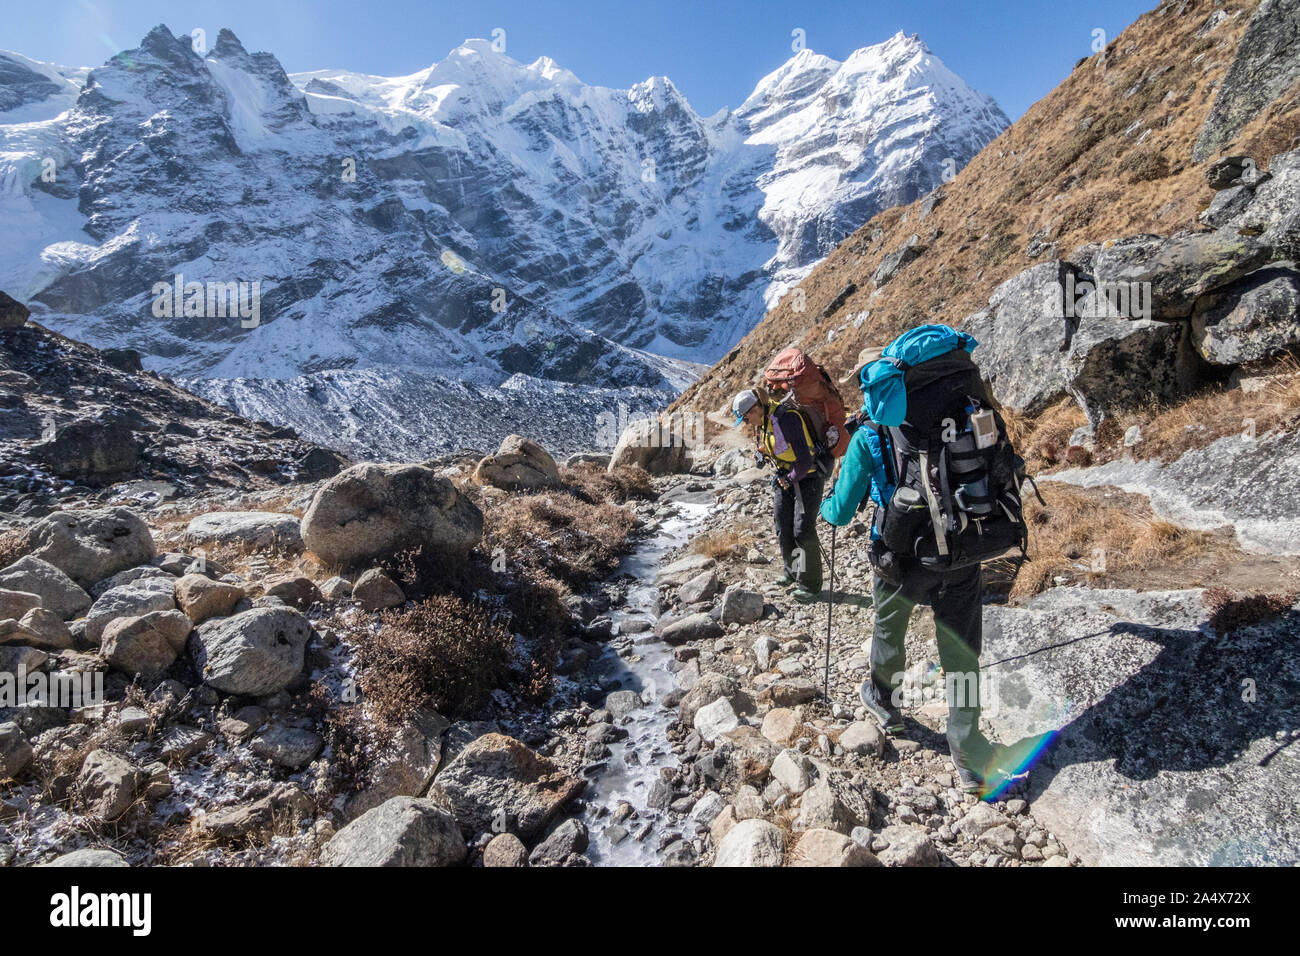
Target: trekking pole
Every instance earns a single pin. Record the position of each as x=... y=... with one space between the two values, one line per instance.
x=830 y=608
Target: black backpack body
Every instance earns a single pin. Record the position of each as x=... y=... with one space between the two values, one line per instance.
x=957 y=499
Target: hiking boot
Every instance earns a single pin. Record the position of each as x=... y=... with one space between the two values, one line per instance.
x=890 y=721
x=785 y=581
x=804 y=596
x=969 y=781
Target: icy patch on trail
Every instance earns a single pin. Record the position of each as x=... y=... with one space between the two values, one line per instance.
x=1252 y=484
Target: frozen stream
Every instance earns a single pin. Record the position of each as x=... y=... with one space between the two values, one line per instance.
x=633 y=765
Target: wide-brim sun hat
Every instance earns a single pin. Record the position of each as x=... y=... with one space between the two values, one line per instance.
x=868 y=355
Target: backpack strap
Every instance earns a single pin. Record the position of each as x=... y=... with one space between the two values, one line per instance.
x=936 y=519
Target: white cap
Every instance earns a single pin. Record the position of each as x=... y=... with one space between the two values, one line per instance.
x=742 y=403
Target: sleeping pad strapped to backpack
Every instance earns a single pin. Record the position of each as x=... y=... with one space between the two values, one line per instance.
x=957 y=479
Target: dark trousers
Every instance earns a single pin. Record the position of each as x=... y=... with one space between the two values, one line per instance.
x=796 y=510
x=955 y=597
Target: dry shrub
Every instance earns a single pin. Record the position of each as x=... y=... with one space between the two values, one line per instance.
x=1144 y=165
x=722 y=545
x=1230 y=611
x=1081 y=531
x=13 y=545
x=572 y=541
x=442 y=652
x=593 y=484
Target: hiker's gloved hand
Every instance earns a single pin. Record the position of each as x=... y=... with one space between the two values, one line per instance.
x=832 y=436
x=784 y=482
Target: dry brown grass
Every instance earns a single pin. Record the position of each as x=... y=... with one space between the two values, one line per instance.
x=1083 y=536
x=593 y=484
x=572 y=541
x=13 y=545
x=723 y=545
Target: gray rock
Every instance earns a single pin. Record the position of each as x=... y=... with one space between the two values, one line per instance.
x=403 y=831
x=371 y=511
x=15 y=750
x=713 y=719
x=641 y=445
x=568 y=838
x=699 y=588
x=709 y=688
x=620 y=703
x=828 y=848
x=893 y=263
x=793 y=771
x=1252 y=319
x=863 y=737
x=908 y=847
x=147 y=644
x=751 y=843
x=80 y=859
x=740 y=606
x=129 y=600
x=375 y=590
x=14 y=604
x=13 y=314
x=95 y=450
x=57 y=592
x=256 y=530
x=1267 y=63
x=1131 y=777
x=693 y=627
x=39 y=628
x=179 y=743
x=202 y=598
x=254 y=653
x=106 y=785
x=505 y=850
x=497 y=781
x=835 y=802
x=406 y=764
x=289 y=747
x=1227 y=206
x=127 y=577
x=91 y=545
x=520 y=464
x=682 y=570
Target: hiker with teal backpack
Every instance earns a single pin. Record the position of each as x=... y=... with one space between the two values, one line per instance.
x=931 y=453
x=785 y=437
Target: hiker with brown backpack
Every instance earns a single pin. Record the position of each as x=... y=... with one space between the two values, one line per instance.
x=785 y=437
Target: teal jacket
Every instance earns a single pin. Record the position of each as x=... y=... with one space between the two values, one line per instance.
x=862 y=472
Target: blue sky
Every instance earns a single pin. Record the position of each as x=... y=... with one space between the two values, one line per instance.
x=713 y=50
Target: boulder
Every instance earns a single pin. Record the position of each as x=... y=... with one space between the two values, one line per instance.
x=14 y=604
x=620 y=703
x=565 y=841
x=751 y=843
x=289 y=747
x=129 y=576
x=251 y=530
x=908 y=847
x=37 y=628
x=1227 y=172
x=180 y=742
x=371 y=511
x=781 y=725
x=693 y=627
x=520 y=464
x=713 y=719
x=129 y=600
x=1179 y=268
x=80 y=859
x=147 y=644
x=319 y=464
x=403 y=768
x=496 y=782
x=835 y=802
x=336 y=589
x=403 y=831
x=740 y=756
x=828 y=848
x=13 y=314
x=91 y=450
x=106 y=785
x=15 y=750
x=505 y=849
x=57 y=592
x=93 y=544
x=254 y=653
x=741 y=606
x=1252 y=319
x=1266 y=64
x=682 y=570
x=863 y=737
x=893 y=263
x=201 y=598
x=699 y=588
x=793 y=771
x=295 y=590
x=658 y=448
x=375 y=590
x=709 y=688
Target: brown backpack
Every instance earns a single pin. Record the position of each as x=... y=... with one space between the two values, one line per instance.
x=813 y=390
